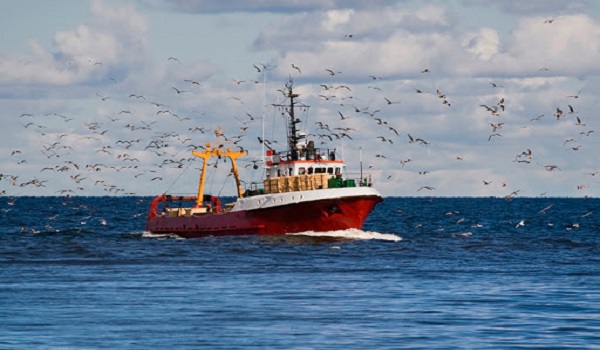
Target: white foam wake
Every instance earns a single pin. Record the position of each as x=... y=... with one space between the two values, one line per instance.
x=147 y=234
x=351 y=234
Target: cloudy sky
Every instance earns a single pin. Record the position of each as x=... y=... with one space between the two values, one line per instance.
x=465 y=97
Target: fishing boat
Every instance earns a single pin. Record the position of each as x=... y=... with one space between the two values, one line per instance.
x=305 y=188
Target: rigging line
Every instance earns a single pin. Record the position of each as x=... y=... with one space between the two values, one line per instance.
x=224 y=183
x=178 y=177
x=212 y=174
x=274 y=118
x=307 y=114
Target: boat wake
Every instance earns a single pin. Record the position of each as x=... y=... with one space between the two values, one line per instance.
x=147 y=234
x=350 y=234
x=329 y=236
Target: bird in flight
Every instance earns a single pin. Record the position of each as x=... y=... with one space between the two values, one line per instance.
x=576 y=95
x=521 y=223
x=389 y=102
x=193 y=82
x=559 y=113
x=103 y=98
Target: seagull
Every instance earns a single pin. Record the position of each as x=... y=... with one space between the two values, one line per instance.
x=103 y=98
x=575 y=96
x=380 y=121
x=404 y=161
x=193 y=82
x=501 y=104
x=489 y=138
x=543 y=211
x=521 y=223
x=176 y=89
x=496 y=126
x=558 y=113
x=296 y=68
x=390 y=102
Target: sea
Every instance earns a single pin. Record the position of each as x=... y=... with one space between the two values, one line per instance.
x=423 y=273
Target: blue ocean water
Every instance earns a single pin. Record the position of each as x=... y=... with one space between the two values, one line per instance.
x=423 y=273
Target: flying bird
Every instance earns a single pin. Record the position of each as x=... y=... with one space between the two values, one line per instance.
x=559 y=113
x=177 y=90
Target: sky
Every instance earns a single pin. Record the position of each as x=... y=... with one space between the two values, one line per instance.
x=438 y=98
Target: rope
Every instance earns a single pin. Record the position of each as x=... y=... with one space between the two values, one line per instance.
x=178 y=177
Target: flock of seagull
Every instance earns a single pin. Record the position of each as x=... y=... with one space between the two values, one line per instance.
x=148 y=142
x=121 y=153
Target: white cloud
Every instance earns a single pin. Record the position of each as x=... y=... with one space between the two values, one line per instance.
x=484 y=44
x=117 y=36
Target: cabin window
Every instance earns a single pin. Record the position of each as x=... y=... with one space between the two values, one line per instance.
x=330 y=170
x=301 y=171
x=278 y=172
x=310 y=171
x=291 y=170
x=338 y=171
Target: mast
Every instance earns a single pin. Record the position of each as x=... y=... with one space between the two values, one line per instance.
x=293 y=136
x=211 y=151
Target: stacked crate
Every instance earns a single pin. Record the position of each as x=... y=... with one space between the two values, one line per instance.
x=296 y=183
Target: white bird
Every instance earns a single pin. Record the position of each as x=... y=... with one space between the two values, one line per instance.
x=521 y=223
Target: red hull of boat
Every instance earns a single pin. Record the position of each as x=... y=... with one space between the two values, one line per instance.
x=319 y=216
